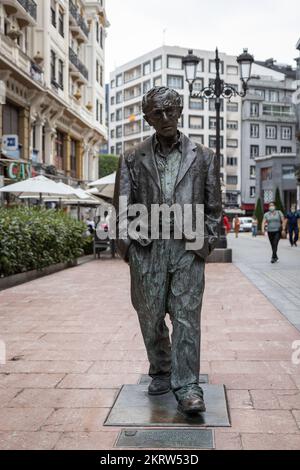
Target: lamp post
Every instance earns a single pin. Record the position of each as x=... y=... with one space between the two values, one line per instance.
x=216 y=90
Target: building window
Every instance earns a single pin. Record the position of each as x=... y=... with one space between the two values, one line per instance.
x=266 y=174
x=212 y=104
x=288 y=172
x=286 y=133
x=254 y=131
x=146 y=126
x=181 y=121
x=232 y=180
x=260 y=92
x=157 y=81
x=212 y=67
x=198 y=84
x=175 y=81
x=232 y=161
x=272 y=96
x=119 y=114
x=53 y=13
x=252 y=172
x=73 y=158
x=119 y=131
x=157 y=64
x=174 y=62
x=61 y=21
x=119 y=148
x=271 y=132
x=213 y=122
x=254 y=151
x=59 y=157
x=254 y=109
x=112 y=150
x=97 y=110
x=232 y=107
x=53 y=66
x=212 y=142
x=119 y=80
x=119 y=97
x=112 y=134
x=146 y=86
x=112 y=84
x=232 y=70
x=198 y=139
x=101 y=37
x=271 y=149
x=61 y=74
x=196 y=122
x=232 y=143
x=200 y=68
x=97 y=32
x=286 y=150
x=101 y=75
x=196 y=104
x=112 y=117
x=112 y=101
x=252 y=191
x=147 y=68
x=232 y=125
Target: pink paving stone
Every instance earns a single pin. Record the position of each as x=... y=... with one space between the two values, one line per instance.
x=265 y=400
x=296 y=414
x=62 y=398
x=87 y=441
x=23 y=419
x=76 y=420
x=263 y=421
x=8 y=394
x=288 y=400
x=90 y=381
x=52 y=367
x=17 y=440
x=30 y=380
x=254 y=382
x=119 y=367
x=239 y=399
x=227 y=441
x=271 y=441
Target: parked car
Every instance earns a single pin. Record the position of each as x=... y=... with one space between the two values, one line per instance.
x=246 y=224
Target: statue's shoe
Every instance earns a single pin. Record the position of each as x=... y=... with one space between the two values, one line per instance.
x=160 y=385
x=192 y=405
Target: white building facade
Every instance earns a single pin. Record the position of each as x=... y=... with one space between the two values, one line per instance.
x=52 y=56
x=163 y=67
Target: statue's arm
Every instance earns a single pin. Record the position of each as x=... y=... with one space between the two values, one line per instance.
x=122 y=192
x=213 y=201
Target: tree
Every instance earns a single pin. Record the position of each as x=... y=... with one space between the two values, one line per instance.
x=108 y=164
x=259 y=213
x=278 y=201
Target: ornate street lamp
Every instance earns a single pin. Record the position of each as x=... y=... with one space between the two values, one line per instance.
x=216 y=90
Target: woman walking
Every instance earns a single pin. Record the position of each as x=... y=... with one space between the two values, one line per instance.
x=274 y=222
x=237 y=226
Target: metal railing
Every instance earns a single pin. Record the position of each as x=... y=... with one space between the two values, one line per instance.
x=30 y=6
x=78 y=64
x=78 y=18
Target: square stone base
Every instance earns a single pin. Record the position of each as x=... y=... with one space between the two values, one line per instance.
x=134 y=407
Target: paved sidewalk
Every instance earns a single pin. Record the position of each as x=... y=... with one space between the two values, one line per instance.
x=73 y=339
x=279 y=282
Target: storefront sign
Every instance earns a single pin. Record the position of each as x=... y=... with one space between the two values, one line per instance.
x=10 y=146
x=19 y=171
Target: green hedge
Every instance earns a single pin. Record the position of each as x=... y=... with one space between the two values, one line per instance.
x=34 y=238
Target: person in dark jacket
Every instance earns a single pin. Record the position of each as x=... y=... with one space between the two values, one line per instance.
x=167 y=275
x=292 y=218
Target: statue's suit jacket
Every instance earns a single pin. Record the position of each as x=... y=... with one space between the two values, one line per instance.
x=198 y=182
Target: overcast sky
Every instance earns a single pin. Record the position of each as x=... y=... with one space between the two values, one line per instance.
x=269 y=28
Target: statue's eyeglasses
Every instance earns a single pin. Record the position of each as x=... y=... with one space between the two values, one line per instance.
x=170 y=112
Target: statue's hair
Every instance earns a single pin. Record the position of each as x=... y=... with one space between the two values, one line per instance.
x=161 y=90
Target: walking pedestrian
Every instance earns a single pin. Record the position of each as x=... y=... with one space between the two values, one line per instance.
x=237 y=226
x=273 y=222
x=292 y=218
x=226 y=224
x=254 y=226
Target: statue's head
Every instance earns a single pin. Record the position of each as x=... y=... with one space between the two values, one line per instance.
x=162 y=108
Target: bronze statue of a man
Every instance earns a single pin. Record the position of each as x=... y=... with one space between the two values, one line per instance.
x=166 y=277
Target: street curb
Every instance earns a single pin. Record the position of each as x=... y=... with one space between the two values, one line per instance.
x=22 y=278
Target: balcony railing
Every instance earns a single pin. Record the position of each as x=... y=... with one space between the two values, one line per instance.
x=30 y=6
x=78 y=64
x=78 y=18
